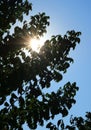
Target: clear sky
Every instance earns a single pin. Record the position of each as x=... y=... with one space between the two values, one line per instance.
x=68 y=15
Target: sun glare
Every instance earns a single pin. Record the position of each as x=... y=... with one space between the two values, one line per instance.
x=36 y=44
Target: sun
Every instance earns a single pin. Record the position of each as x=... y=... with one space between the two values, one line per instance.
x=36 y=44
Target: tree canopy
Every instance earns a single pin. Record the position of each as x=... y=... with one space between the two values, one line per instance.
x=23 y=78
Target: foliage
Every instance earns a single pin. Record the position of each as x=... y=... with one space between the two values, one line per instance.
x=78 y=123
x=23 y=78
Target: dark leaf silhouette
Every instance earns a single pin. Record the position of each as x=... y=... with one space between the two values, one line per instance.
x=24 y=78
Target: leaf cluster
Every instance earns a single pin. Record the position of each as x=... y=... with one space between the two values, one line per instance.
x=10 y=11
x=23 y=78
x=76 y=123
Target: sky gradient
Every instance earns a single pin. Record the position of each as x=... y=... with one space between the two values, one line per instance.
x=68 y=15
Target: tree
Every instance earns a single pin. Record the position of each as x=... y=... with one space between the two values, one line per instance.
x=76 y=123
x=23 y=78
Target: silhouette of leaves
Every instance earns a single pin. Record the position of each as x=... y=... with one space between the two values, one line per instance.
x=23 y=78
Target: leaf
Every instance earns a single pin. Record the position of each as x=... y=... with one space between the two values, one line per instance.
x=11 y=101
x=6 y=104
x=41 y=122
x=66 y=65
x=70 y=127
x=21 y=101
x=49 y=125
x=78 y=40
x=57 y=76
x=64 y=112
x=14 y=96
x=21 y=18
x=59 y=122
x=2 y=100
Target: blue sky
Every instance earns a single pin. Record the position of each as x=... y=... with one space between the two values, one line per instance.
x=68 y=15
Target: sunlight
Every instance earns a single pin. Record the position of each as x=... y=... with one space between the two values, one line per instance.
x=36 y=44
